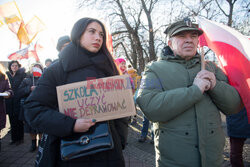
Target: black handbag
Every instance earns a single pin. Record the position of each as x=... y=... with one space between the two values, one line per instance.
x=98 y=138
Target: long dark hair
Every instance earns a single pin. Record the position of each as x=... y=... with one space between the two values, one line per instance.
x=80 y=27
x=10 y=63
x=2 y=73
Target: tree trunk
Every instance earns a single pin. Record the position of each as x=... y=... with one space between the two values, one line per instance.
x=152 y=55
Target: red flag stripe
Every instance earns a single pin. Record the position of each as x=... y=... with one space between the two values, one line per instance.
x=232 y=50
x=37 y=72
x=237 y=69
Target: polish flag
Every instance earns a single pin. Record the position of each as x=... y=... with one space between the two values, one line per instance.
x=233 y=52
x=20 y=54
x=37 y=72
x=25 y=53
x=109 y=41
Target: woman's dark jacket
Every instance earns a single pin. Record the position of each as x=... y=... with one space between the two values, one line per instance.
x=237 y=125
x=4 y=86
x=13 y=103
x=75 y=64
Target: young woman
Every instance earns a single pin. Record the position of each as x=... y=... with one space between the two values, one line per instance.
x=4 y=88
x=86 y=56
x=26 y=87
x=16 y=74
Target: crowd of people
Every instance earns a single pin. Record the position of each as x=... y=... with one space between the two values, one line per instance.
x=180 y=100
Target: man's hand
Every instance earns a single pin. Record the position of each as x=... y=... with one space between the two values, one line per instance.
x=204 y=74
x=203 y=84
x=83 y=125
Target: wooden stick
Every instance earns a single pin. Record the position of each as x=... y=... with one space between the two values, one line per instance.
x=202 y=59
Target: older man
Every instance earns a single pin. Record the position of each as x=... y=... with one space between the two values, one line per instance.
x=184 y=102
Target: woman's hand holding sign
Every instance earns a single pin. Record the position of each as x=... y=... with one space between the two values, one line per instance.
x=83 y=125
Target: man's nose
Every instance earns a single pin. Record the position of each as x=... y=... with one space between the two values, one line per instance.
x=188 y=39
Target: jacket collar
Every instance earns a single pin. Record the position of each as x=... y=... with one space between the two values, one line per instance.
x=20 y=71
x=72 y=58
x=168 y=55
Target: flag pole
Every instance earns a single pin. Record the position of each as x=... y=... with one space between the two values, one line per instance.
x=33 y=80
x=202 y=59
x=20 y=45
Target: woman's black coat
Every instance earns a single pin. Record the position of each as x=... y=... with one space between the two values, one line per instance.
x=74 y=65
x=13 y=103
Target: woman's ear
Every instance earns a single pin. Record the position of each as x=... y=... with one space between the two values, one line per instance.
x=170 y=43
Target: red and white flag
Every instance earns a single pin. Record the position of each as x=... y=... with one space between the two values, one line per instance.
x=20 y=54
x=25 y=53
x=233 y=51
x=109 y=41
x=37 y=72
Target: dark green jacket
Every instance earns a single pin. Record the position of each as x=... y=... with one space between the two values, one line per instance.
x=187 y=123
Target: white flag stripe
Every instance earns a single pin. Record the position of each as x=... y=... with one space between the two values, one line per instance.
x=36 y=69
x=216 y=32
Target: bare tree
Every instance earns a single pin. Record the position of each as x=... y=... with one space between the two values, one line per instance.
x=133 y=31
x=230 y=13
x=137 y=27
x=148 y=11
x=129 y=30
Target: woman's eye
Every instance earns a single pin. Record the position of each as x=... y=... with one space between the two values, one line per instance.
x=101 y=34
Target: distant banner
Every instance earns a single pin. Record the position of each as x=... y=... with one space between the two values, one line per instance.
x=10 y=14
x=27 y=32
x=101 y=99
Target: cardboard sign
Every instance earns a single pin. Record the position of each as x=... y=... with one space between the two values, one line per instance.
x=101 y=99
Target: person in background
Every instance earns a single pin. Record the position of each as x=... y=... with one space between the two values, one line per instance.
x=145 y=124
x=62 y=42
x=26 y=87
x=86 y=56
x=133 y=74
x=16 y=74
x=48 y=62
x=4 y=88
x=144 y=131
x=184 y=102
x=121 y=65
x=238 y=130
